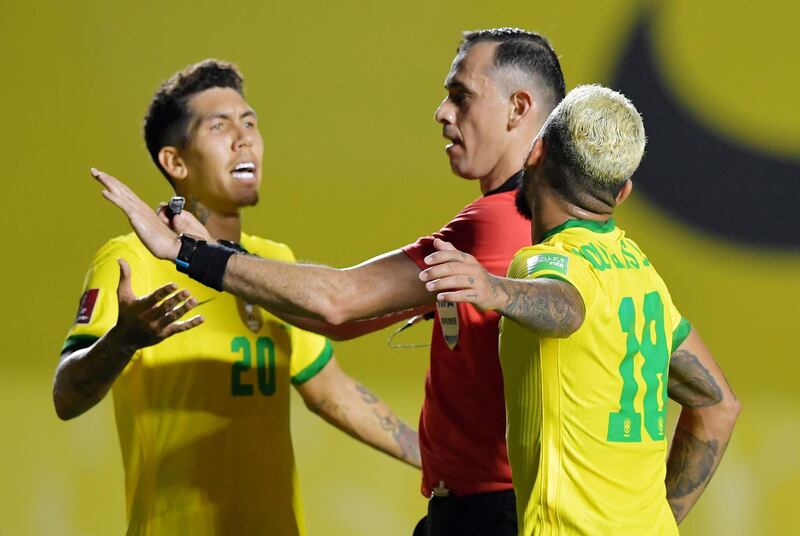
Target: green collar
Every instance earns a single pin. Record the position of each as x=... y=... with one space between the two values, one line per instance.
x=594 y=226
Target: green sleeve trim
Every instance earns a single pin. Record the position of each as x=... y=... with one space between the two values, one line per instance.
x=680 y=333
x=77 y=342
x=554 y=276
x=317 y=365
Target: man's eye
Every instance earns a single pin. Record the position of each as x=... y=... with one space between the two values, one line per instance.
x=249 y=124
x=458 y=98
x=217 y=126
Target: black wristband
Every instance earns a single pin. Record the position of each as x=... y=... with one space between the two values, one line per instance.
x=208 y=264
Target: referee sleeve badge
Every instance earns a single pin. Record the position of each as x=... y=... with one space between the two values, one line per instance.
x=448 y=319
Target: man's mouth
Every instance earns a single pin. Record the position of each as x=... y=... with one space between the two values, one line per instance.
x=452 y=138
x=244 y=171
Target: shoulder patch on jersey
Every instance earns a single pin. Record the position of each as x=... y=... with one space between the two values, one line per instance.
x=548 y=261
x=86 y=307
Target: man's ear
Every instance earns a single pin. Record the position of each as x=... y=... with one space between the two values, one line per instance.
x=623 y=194
x=537 y=154
x=520 y=105
x=170 y=159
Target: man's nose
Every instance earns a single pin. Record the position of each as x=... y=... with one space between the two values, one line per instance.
x=244 y=136
x=445 y=113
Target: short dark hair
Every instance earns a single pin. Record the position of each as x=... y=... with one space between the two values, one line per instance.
x=529 y=52
x=168 y=115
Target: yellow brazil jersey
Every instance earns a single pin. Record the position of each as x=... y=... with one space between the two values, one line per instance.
x=203 y=417
x=586 y=414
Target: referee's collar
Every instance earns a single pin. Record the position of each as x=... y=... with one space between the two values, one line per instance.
x=510 y=185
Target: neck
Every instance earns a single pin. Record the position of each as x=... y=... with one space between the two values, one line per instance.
x=551 y=210
x=493 y=182
x=512 y=161
x=220 y=226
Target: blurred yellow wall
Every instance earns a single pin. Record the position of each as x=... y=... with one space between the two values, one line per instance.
x=354 y=166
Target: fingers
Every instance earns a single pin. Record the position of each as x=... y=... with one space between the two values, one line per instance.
x=163 y=213
x=446 y=256
x=124 y=290
x=186 y=223
x=460 y=296
x=159 y=294
x=117 y=192
x=158 y=312
x=443 y=245
x=179 y=327
x=451 y=282
x=172 y=314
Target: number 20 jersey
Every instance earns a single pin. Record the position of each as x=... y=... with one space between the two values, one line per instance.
x=203 y=416
x=586 y=413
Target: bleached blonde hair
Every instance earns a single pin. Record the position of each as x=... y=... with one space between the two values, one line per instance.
x=595 y=140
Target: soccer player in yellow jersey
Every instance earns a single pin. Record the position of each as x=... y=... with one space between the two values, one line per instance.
x=592 y=343
x=203 y=416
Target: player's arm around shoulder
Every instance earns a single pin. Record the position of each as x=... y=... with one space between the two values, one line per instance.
x=547 y=306
x=708 y=414
x=95 y=354
x=353 y=409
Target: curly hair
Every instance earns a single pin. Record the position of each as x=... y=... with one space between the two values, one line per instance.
x=595 y=141
x=168 y=115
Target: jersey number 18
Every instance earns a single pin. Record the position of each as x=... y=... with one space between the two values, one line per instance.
x=625 y=425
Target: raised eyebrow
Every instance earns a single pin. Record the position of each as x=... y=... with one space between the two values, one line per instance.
x=249 y=113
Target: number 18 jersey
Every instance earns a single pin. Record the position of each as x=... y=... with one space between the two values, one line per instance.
x=587 y=413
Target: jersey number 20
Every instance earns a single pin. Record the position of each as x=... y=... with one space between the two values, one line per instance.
x=265 y=366
x=625 y=425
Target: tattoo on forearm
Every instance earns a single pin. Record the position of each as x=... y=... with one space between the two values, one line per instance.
x=317 y=406
x=690 y=464
x=690 y=383
x=547 y=306
x=366 y=394
x=406 y=438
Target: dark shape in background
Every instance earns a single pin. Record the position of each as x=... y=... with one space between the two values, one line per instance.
x=697 y=175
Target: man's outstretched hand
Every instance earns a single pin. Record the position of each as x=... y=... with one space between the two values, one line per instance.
x=462 y=278
x=156 y=231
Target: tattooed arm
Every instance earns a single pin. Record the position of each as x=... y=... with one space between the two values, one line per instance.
x=549 y=307
x=353 y=409
x=708 y=414
x=83 y=377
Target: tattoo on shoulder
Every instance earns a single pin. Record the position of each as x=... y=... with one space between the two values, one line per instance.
x=690 y=383
x=690 y=464
x=366 y=394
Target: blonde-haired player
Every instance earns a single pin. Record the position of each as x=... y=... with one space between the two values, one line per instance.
x=592 y=343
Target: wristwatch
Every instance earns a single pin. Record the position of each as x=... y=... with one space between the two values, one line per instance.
x=189 y=245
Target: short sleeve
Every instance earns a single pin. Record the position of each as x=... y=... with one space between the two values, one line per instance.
x=681 y=329
x=544 y=261
x=310 y=354
x=458 y=232
x=97 y=308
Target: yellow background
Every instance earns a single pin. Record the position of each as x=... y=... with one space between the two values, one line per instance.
x=354 y=166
